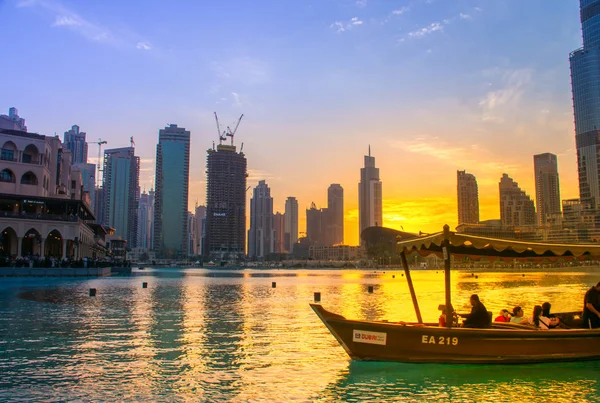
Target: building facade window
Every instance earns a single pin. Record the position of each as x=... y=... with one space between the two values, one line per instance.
x=7 y=176
x=7 y=155
x=29 y=178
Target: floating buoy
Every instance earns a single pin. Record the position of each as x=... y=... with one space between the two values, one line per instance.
x=144 y=285
x=317 y=297
x=92 y=292
x=273 y=284
x=476 y=276
x=393 y=276
x=370 y=289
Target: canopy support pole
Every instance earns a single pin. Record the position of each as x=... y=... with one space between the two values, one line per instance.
x=411 y=287
x=446 y=256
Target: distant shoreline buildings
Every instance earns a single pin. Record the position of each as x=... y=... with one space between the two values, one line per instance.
x=370 y=198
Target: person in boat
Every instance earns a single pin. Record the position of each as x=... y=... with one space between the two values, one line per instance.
x=504 y=316
x=519 y=316
x=479 y=316
x=554 y=321
x=591 y=308
x=538 y=320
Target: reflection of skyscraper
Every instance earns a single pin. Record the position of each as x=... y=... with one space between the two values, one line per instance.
x=516 y=207
x=335 y=208
x=225 y=236
x=369 y=196
x=121 y=192
x=75 y=142
x=260 y=234
x=171 y=197
x=468 y=198
x=547 y=192
x=291 y=224
x=585 y=81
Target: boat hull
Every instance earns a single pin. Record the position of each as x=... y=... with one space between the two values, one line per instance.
x=406 y=342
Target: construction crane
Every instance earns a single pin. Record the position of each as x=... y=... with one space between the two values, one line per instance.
x=99 y=142
x=231 y=133
x=222 y=136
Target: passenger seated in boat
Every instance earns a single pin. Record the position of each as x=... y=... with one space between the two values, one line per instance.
x=538 y=320
x=554 y=321
x=479 y=316
x=519 y=316
x=504 y=316
x=591 y=308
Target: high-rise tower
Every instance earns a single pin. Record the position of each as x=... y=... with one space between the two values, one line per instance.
x=75 y=142
x=468 y=198
x=547 y=191
x=121 y=192
x=171 y=193
x=225 y=237
x=585 y=82
x=260 y=234
x=335 y=209
x=516 y=207
x=369 y=196
x=290 y=224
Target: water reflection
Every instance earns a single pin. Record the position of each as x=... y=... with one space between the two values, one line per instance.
x=372 y=381
x=194 y=336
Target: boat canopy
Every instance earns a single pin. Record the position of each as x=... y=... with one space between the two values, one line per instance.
x=463 y=244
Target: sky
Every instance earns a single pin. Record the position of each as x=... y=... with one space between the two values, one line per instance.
x=433 y=86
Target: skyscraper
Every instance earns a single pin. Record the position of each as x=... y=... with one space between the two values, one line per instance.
x=585 y=83
x=335 y=219
x=12 y=121
x=290 y=224
x=314 y=225
x=369 y=196
x=88 y=180
x=225 y=237
x=75 y=142
x=516 y=207
x=192 y=234
x=260 y=234
x=278 y=233
x=121 y=192
x=200 y=228
x=144 y=221
x=547 y=191
x=468 y=198
x=171 y=193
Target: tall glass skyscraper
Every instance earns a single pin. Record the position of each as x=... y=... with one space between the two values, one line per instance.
x=370 y=210
x=75 y=142
x=585 y=81
x=121 y=192
x=171 y=197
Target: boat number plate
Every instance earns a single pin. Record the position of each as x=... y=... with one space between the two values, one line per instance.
x=364 y=336
x=445 y=340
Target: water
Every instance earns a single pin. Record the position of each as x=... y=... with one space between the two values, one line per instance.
x=196 y=335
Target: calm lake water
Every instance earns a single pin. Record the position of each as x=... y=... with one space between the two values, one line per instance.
x=197 y=335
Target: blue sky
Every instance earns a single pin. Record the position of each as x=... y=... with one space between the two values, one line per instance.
x=432 y=85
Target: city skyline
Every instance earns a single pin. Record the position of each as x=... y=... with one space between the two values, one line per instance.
x=386 y=85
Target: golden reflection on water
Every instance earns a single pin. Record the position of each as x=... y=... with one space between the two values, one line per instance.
x=236 y=338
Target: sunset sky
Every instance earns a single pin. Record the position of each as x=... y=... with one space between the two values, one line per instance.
x=432 y=85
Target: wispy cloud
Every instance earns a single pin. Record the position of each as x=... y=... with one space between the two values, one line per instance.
x=144 y=46
x=255 y=175
x=65 y=18
x=438 y=26
x=345 y=26
x=361 y=3
x=511 y=86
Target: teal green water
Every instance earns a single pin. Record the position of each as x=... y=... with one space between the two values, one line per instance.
x=196 y=335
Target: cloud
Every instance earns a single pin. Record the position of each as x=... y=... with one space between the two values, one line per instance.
x=65 y=18
x=255 y=175
x=400 y=11
x=345 y=26
x=463 y=16
x=433 y=27
x=144 y=46
x=361 y=3
x=512 y=86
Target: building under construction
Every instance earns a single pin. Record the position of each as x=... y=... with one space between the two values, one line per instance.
x=225 y=237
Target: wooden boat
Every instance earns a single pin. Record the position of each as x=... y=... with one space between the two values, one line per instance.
x=503 y=343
